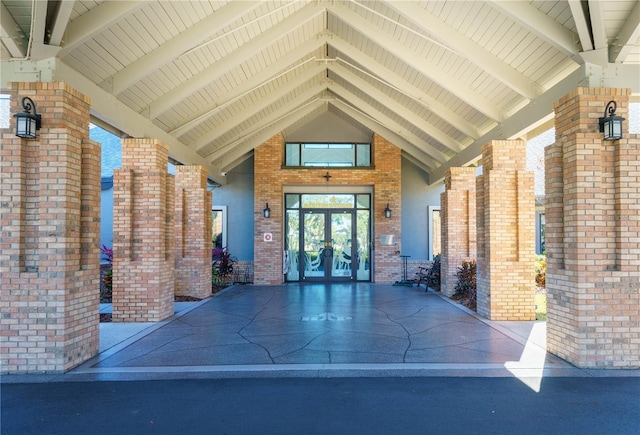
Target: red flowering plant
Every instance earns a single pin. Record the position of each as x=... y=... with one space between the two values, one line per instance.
x=107 y=276
x=222 y=266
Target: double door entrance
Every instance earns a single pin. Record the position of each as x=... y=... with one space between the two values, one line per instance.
x=334 y=243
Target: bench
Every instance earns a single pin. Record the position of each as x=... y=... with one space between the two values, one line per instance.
x=430 y=275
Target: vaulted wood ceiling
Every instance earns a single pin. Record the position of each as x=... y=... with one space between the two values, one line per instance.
x=215 y=79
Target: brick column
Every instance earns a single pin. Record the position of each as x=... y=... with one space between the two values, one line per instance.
x=143 y=233
x=192 y=232
x=506 y=233
x=458 y=214
x=49 y=242
x=593 y=235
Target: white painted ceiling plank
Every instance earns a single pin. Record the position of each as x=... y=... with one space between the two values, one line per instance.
x=426 y=162
x=202 y=79
x=250 y=111
x=96 y=21
x=383 y=119
x=402 y=111
x=466 y=48
x=255 y=81
x=168 y=51
x=273 y=117
x=267 y=132
x=405 y=86
x=406 y=54
x=628 y=36
x=540 y=24
x=12 y=37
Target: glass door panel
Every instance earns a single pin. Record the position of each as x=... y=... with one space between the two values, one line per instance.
x=363 y=238
x=341 y=235
x=293 y=242
x=313 y=240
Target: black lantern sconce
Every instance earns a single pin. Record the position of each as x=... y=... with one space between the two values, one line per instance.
x=27 y=123
x=611 y=125
x=267 y=211
x=387 y=212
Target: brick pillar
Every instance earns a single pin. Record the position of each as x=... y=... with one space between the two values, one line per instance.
x=49 y=242
x=192 y=232
x=267 y=255
x=506 y=233
x=458 y=212
x=388 y=190
x=593 y=235
x=143 y=233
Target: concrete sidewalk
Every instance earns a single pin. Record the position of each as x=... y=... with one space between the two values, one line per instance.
x=318 y=330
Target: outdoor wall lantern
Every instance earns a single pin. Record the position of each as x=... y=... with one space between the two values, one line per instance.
x=611 y=125
x=267 y=211
x=27 y=123
x=387 y=212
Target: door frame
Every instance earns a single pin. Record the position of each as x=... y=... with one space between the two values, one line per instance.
x=328 y=245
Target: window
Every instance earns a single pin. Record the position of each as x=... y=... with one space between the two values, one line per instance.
x=435 y=229
x=540 y=233
x=219 y=226
x=341 y=155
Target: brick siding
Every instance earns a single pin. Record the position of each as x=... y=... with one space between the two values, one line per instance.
x=270 y=177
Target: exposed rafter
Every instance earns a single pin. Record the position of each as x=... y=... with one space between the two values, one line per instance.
x=402 y=84
x=622 y=44
x=268 y=132
x=583 y=24
x=383 y=119
x=60 y=21
x=540 y=24
x=468 y=49
x=422 y=159
x=415 y=60
x=254 y=109
x=273 y=117
x=269 y=73
x=396 y=107
x=95 y=21
x=246 y=51
x=171 y=49
x=11 y=35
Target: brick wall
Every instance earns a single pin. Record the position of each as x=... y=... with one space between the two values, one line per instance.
x=192 y=232
x=49 y=243
x=593 y=235
x=143 y=233
x=458 y=214
x=270 y=178
x=505 y=233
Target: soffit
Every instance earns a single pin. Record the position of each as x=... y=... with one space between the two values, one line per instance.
x=215 y=77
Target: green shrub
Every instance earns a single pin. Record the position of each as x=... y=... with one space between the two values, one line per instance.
x=541 y=270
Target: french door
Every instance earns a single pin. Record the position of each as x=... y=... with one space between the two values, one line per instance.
x=328 y=243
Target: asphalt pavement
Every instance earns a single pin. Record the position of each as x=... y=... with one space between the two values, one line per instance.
x=418 y=405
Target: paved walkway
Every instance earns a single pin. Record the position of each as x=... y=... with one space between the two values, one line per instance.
x=324 y=330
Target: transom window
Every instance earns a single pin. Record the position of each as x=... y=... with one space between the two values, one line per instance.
x=341 y=155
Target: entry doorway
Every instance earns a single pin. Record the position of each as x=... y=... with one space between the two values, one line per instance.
x=328 y=237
